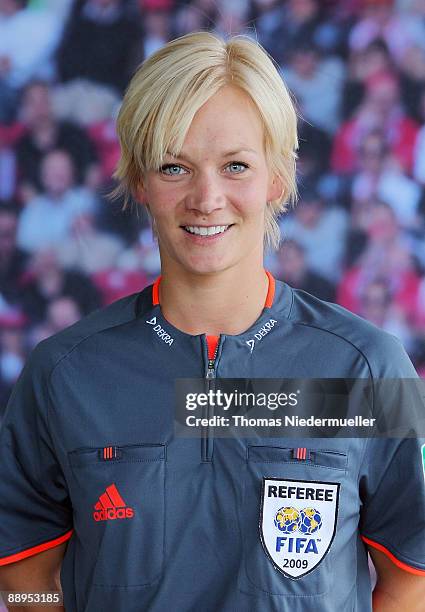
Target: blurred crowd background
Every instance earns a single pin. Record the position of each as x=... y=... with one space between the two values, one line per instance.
x=357 y=235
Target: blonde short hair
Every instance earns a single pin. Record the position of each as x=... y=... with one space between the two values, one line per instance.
x=171 y=86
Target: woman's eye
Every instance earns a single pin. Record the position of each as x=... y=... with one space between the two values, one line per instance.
x=237 y=165
x=173 y=168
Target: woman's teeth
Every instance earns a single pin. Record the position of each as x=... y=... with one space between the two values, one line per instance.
x=206 y=231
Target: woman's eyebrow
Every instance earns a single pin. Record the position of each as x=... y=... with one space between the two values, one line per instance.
x=245 y=150
x=225 y=154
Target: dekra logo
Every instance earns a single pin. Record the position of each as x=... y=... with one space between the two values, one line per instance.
x=160 y=331
x=263 y=331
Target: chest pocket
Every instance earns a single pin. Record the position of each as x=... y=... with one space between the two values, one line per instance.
x=288 y=521
x=118 y=495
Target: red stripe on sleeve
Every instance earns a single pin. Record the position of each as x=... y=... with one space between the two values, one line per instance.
x=391 y=557
x=36 y=549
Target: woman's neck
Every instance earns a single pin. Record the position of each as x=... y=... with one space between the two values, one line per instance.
x=226 y=303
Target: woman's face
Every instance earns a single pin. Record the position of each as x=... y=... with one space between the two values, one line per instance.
x=220 y=180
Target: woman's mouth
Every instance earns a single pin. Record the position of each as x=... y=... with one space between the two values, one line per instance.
x=206 y=233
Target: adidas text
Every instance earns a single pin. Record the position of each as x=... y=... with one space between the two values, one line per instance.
x=113 y=513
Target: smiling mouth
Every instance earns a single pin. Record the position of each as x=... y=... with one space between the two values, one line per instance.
x=212 y=230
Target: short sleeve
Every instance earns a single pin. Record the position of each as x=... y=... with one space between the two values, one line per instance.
x=392 y=487
x=392 y=480
x=35 y=510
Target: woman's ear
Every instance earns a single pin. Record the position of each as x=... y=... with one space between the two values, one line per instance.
x=276 y=189
x=141 y=194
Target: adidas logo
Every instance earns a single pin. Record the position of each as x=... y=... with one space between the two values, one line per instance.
x=111 y=506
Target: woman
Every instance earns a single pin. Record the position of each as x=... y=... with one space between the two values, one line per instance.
x=146 y=520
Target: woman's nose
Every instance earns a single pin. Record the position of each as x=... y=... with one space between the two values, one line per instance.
x=206 y=195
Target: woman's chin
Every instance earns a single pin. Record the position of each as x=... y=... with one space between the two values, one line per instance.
x=206 y=265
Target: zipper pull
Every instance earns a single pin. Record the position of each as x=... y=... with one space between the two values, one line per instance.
x=211 y=368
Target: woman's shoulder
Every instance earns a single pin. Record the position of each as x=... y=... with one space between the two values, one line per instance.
x=56 y=347
x=384 y=352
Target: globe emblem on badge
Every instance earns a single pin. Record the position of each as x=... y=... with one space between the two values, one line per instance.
x=310 y=521
x=287 y=519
